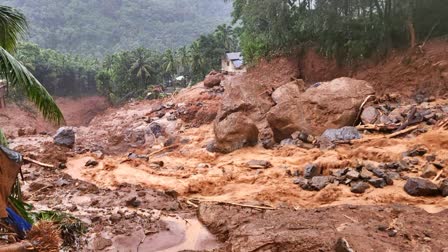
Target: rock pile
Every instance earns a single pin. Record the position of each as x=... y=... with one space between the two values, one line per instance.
x=359 y=179
x=287 y=110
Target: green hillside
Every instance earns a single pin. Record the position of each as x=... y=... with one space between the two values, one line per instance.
x=97 y=27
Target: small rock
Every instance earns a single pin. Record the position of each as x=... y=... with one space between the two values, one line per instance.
x=393 y=175
x=320 y=182
x=133 y=202
x=377 y=182
x=421 y=187
x=259 y=164
x=352 y=174
x=392 y=232
x=417 y=152
x=330 y=136
x=339 y=172
x=114 y=218
x=429 y=171
x=369 y=115
x=379 y=173
x=100 y=243
x=365 y=174
x=98 y=154
x=62 y=182
x=343 y=246
x=65 y=136
x=91 y=163
x=302 y=182
x=359 y=187
x=444 y=188
x=312 y=170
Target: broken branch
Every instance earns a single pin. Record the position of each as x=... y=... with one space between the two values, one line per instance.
x=29 y=160
x=404 y=131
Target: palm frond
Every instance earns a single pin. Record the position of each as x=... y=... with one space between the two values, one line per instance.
x=12 y=25
x=17 y=75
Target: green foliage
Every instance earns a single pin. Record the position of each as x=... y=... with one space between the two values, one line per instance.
x=61 y=74
x=348 y=30
x=12 y=25
x=100 y=27
x=131 y=74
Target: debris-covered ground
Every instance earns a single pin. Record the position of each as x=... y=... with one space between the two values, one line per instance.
x=261 y=161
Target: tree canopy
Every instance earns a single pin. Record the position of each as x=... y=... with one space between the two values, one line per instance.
x=347 y=29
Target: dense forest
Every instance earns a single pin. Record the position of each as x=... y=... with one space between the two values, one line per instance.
x=126 y=74
x=345 y=29
x=98 y=27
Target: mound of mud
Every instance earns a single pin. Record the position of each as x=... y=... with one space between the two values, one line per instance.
x=365 y=228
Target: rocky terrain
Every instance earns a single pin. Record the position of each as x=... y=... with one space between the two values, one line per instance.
x=270 y=160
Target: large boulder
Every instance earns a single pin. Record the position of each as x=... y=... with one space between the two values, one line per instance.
x=325 y=105
x=288 y=91
x=214 y=78
x=234 y=132
x=65 y=136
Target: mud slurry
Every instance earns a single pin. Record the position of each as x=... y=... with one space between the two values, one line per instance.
x=154 y=204
x=156 y=187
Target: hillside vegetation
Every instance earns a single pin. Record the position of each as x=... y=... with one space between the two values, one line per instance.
x=346 y=29
x=98 y=27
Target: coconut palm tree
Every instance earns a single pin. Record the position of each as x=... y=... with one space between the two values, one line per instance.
x=12 y=26
x=142 y=68
x=169 y=63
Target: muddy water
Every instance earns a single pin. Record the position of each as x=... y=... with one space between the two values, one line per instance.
x=181 y=234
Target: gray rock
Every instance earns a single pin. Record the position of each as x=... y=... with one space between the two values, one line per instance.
x=421 y=187
x=302 y=182
x=379 y=172
x=352 y=174
x=330 y=136
x=377 y=182
x=343 y=246
x=393 y=175
x=359 y=187
x=259 y=164
x=65 y=136
x=312 y=170
x=320 y=182
x=444 y=188
x=369 y=115
x=339 y=172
